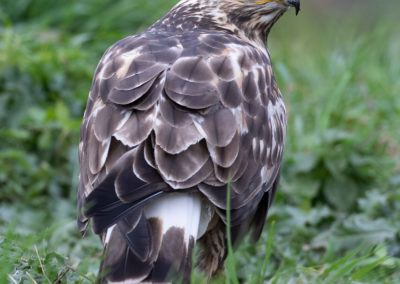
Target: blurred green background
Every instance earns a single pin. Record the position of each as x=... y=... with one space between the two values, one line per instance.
x=337 y=213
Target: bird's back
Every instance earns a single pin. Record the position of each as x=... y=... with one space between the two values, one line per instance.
x=171 y=120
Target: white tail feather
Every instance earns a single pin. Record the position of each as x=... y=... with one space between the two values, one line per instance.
x=182 y=210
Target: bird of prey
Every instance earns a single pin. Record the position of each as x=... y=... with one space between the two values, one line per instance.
x=175 y=116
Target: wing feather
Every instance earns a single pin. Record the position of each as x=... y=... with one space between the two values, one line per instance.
x=174 y=114
x=197 y=98
x=190 y=94
x=180 y=167
x=225 y=156
x=108 y=120
x=218 y=127
x=137 y=128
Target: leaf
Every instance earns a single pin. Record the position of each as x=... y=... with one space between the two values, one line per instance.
x=356 y=229
x=303 y=162
x=341 y=193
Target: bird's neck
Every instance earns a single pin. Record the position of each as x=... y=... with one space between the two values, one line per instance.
x=242 y=18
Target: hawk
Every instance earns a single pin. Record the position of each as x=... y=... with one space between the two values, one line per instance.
x=175 y=116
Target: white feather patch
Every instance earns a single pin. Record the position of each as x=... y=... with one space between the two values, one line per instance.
x=181 y=210
x=108 y=234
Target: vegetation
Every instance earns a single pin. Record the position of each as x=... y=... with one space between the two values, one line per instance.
x=337 y=214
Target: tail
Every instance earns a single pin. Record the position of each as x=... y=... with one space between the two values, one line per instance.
x=155 y=243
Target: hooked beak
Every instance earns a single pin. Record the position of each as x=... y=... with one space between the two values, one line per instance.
x=295 y=4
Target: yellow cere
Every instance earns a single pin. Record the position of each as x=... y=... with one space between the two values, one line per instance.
x=264 y=1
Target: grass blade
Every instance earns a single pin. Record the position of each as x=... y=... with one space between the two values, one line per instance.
x=231 y=276
x=341 y=272
x=268 y=251
x=360 y=274
x=341 y=261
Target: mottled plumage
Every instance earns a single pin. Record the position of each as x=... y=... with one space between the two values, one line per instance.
x=173 y=115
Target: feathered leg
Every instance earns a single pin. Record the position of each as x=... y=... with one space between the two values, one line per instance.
x=213 y=250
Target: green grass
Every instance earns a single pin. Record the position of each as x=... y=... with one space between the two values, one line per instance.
x=231 y=277
x=336 y=216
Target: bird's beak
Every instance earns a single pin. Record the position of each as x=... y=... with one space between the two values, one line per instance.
x=294 y=3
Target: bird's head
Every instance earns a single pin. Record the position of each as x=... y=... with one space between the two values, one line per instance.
x=249 y=19
x=256 y=17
